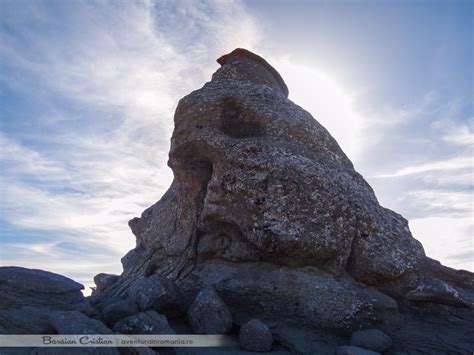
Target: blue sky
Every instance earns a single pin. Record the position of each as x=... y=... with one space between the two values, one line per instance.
x=88 y=90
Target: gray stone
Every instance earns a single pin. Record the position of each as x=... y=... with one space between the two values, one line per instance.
x=255 y=336
x=438 y=291
x=133 y=256
x=29 y=296
x=103 y=281
x=73 y=322
x=372 y=339
x=266 y=292
x=354 y=350
x=119 y=310
x=158 y=293
x=37 y=280
x=208 y=314
x=149 y=322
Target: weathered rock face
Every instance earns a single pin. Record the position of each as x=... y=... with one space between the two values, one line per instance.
x=258 y=179
x=268 y=210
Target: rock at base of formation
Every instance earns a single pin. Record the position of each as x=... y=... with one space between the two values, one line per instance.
x=29 y=297
x=267 y=210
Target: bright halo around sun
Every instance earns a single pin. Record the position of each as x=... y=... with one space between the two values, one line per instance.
x=327 y=102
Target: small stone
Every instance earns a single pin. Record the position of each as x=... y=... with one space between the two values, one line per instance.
x=103 y=281
x=354 y=350
x=158 y=293
x=119 y=310
x=149 y=322
x=372 y=339
x=255 y=336
x=208 y=314
x=74 y=322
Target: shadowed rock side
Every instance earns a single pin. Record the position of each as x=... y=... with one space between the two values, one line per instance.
x=268 y=228
x=266 y=208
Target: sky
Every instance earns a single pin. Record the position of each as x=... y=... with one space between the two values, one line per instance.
x=88 y=91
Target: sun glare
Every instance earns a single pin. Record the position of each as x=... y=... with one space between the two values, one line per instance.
x=321 y=96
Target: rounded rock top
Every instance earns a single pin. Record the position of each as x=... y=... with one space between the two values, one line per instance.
x=37 y=280
x=260 y=71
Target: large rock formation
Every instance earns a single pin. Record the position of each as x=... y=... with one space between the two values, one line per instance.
x=267 y=210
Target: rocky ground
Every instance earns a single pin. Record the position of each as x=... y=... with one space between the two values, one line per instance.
x=268 y=234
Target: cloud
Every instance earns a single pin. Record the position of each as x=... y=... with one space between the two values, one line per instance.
x=100 y=81
x=460 y=135
x=450 y=164
x=446 y=239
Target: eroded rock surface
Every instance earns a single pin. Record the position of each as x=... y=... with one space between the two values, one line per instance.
x=267 y=210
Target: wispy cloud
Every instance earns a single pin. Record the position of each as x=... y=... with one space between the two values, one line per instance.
x=461 y=135
x=422 y=165
x=450 y=164
x=101 y=85
x=454 y=244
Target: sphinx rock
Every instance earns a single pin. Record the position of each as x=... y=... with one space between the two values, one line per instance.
x=267 y=209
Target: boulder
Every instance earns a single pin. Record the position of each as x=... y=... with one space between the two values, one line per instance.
x=102 y=281
x=29 y=296
x=37 y=280
x=158 y=293
x=74 y=322
x=149 y=322
x=354 y=350
x=208 y=314
x=119 y=310
x=262 y=291
x=255 y=336
x=372 y=339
